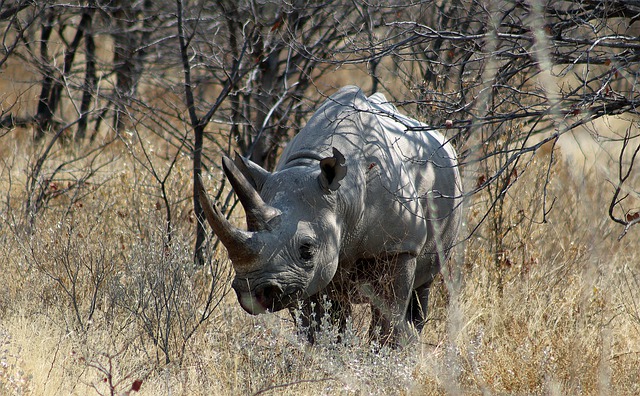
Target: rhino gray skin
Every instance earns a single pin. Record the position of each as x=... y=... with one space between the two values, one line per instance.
x=359 y=209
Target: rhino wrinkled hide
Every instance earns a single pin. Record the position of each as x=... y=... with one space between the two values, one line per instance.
x=363 y=207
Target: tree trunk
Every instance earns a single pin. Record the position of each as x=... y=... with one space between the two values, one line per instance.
x=90 y=81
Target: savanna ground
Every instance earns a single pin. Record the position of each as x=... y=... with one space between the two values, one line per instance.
x=95 y=301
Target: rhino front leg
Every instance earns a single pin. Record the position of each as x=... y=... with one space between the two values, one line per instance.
x=390 y=300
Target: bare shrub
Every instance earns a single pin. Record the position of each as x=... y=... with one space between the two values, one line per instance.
x=74 y=266
x=111 y=381
x=104 y=260
x=166 y=296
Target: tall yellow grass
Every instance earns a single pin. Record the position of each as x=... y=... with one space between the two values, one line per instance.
x=562 y=318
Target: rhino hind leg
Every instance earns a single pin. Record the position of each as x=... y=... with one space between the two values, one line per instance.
x=417 y=309
x=381 y=329
x=390 y=299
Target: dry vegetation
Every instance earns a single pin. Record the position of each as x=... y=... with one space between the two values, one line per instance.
x=99 y=295
x=95 y=300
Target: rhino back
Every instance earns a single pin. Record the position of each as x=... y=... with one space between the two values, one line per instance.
x=411 y=180
x=335 y=124
x=399 y=173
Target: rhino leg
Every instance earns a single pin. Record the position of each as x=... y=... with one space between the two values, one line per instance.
x=313 y=309
x=417 y=310
x=390 y=301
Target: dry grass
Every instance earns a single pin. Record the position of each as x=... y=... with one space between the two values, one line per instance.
x=559 y=314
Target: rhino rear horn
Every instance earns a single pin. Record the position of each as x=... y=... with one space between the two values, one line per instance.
x=332 y=170
x=258 y=212
x=255 y=174
x=236 y=241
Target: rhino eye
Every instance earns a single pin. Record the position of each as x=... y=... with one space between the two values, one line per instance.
x=306 y=251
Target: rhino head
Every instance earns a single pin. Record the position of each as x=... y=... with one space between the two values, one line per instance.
x=290 y=248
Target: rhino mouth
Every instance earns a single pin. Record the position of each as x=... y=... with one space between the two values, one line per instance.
x=265 y=298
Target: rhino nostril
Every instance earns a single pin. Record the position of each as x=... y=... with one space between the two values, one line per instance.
x=267 y=295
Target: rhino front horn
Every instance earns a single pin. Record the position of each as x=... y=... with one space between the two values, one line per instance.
x=237 y=242
x=257 y=211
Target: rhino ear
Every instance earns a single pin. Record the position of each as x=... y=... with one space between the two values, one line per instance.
x=254 y=173
x=332 y=170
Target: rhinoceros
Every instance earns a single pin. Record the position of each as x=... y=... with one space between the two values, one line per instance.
x=364 y=206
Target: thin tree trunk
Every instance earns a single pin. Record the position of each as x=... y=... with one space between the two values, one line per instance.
x=52 y=88
x=44 y=111
x=90 y=80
